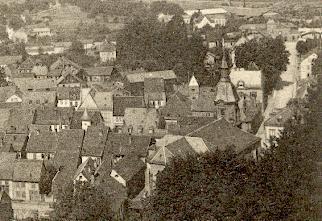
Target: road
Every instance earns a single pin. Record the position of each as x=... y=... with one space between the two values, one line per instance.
x=280 y=98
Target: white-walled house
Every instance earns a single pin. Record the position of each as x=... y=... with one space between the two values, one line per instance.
x=306 y=65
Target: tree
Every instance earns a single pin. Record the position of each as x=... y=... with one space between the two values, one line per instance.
x=164 y=7
x=302 y=47
x=15 y=22
x=77 y=48
x=269 y=54
x=82 y=203
x=281 y=185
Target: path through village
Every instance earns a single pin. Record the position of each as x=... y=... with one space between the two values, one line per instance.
x=280 y=98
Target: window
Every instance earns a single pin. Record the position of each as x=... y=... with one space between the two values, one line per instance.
x=222 y=111
x=271 y=132
x=240 y=84
x=253 y=94
x=42 y=156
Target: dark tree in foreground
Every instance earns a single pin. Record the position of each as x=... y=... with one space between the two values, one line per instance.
x=269 y=54
x=85 y=203
x=3 y=82
x=281 y=185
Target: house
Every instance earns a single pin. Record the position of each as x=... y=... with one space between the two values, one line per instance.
x=61 y=47
x=177 y=106
x=248 y=83
x=107 y=52
x=14 y=143
x=40 y=71
x=34 y=49
x=212 y=20
x=53 y=118
x=134 y=81
x=222 y=134
x=32 y=84
x=62 y=65
x=7 y=162
x=274 y=125
x=165 y=149
x=213 y=16
x=306 y=65
x=9 y=60
x=70 y=79
x=5 y=206
x=94 y=144
x=44 y=145
x=68 y=97
x=34 y=99
x=129 y=172
x=140 y=121
x=154 y=92
x=40 y=32
x=29 y=198
x=85 y=172
x=96 y=100
x=203 y=105
x=10 y=94
x=41 y=145
x=88 y=45
x=120 y=103
x=19 y=121
x=95 y=118
x=27 y=65
x=99 y=74
x=288 y=31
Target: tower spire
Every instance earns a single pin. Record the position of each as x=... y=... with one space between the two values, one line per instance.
x=223 y=62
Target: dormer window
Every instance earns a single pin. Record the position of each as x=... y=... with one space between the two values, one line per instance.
x=240 y=84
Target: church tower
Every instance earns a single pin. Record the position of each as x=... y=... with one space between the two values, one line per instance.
x=193 y=88
x=226 y=98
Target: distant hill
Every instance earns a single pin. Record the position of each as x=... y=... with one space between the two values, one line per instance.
x=9 y=1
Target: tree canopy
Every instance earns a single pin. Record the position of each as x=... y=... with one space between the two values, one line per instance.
x=280 y=185
x=269 y=54
x=147 y=43
x=82 y=203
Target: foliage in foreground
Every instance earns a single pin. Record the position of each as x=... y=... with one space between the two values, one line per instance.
x=223 y=186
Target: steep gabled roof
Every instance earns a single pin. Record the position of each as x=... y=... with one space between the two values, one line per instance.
x=120 y=103
x=27 y=170
x=222 y=134
x=129 y=166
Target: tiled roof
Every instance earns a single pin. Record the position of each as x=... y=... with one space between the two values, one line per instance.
x=53 y=115
x=177 y=105
x=89 y=163
x=153 y=85
x=28 y=170
x=40 y=70
x=42 y=97
x=7 y=60
x=19 y=120
x=7 y=92
x=106 y=47
x=125 y=144
x=27 y=64
x=99 y=71
x=139 y=77
x=225 y=91
x=44 y=142
x=145 y=117
x=203 y=104
x=25 y=84
x=68 y=93
x=279 y=118
x=120 y=103
x=221 y=134
x=14 y=141
x=129 y=166
x=95 y=141
x=76 y=123
x=7 y=163
x=62 y=62
x=104 y=100
x=70 y=140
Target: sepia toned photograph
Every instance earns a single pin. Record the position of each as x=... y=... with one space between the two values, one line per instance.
x=160 y=110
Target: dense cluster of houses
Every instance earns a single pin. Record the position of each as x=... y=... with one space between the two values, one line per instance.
x=64 y=124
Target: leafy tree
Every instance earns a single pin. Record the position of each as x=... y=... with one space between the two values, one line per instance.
x=77 y=47
x=164 y=7
x=269 y=54
x=317 y=66
x=302 y=47
x=15 y=22
x=82 y=203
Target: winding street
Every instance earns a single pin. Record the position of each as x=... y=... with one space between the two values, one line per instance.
x=280 y=98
